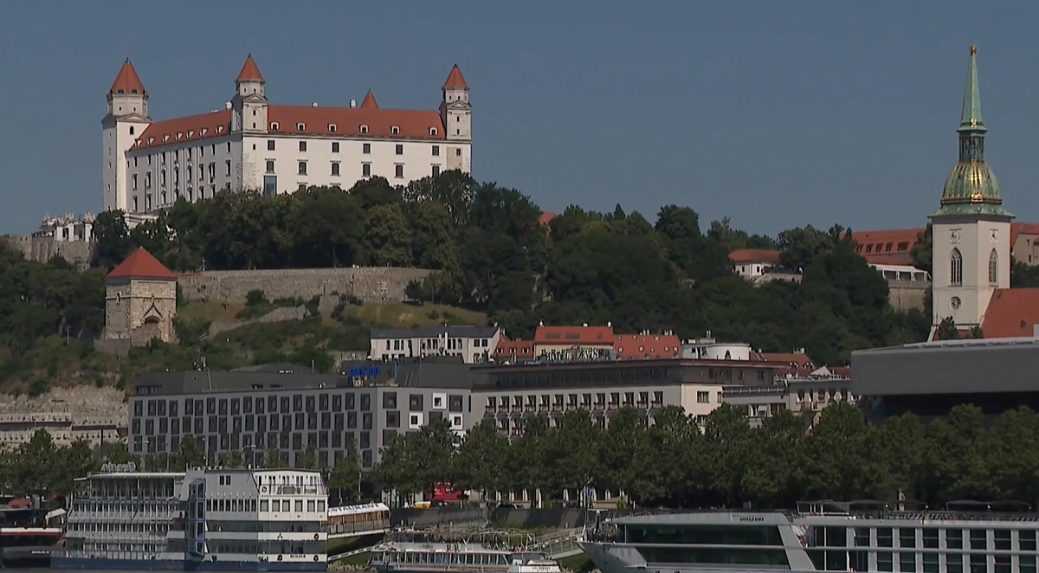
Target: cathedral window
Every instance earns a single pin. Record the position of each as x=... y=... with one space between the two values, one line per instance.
x=993 y=267
x=956 y=268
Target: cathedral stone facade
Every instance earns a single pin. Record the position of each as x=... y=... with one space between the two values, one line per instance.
x=140 y=301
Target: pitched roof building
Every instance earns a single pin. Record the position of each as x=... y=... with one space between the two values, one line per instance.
x=140 y=301
x=254 y=144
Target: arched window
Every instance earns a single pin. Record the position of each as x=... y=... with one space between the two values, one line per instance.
x=993 y=267
x=956 y=268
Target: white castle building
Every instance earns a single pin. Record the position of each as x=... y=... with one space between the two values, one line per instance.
x=256 y=145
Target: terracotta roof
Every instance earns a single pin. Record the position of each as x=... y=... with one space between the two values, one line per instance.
x=369 y=101
x=410 y=123
x=127 y=81
x=1022 y=229
x=141 y=265
x=574 y=335
x=1011 y=312
x=754 y=256
x=519 y=347
x=888 y=246
x=646 y=346
x=250 y=71
x=455 y=80
x=188 y=128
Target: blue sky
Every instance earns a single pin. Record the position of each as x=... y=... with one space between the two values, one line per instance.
x=776 y=114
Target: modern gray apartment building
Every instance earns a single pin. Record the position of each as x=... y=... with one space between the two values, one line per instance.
x=279 y=409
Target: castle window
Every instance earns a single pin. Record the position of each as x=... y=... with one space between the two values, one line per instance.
x=219 y=129
x=366 y=148
x=135 y=203
x=301 y=126
x=227 y=166
x=303 y=146
x=956 y=268
x=131 y=130
x=993 y=267
x=366 y=169
x=335 y=168
x=432 y=131
x=332 y=127
x=274 y=126
x=270 y=166
x=134 y=179
x=335 y=147
x=436 y=170
x=394 y=130
x=302 y=168
x=364 y=129
x=400 y=149
x=270 y=145
x=398 y=171
x=458 y=152
x=436 y=151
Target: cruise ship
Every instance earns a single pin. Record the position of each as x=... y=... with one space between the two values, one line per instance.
x=203 y=519
x=820 y=536
x=407 y=552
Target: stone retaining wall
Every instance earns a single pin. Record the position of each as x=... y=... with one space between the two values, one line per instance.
x=368 y=284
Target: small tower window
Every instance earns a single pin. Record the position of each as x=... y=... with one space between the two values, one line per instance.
x=364 y=129
x=993 y=267
x=394 y=130
x=956 y=268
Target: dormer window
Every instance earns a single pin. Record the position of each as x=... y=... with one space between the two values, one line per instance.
x=432 y=131
x=151 y=140
x=364 y=129
x=301 y=126
x=275 y=126
x=191 y=133
x=332 y=128
x=219 y=129
x=205 y=130
x=394 y=130
x=165 y=138
x=180 y=135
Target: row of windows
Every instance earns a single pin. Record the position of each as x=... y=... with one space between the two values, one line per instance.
x=362 y=128
x=907 y=562
x=263 y=404
x=956 y=267
x=366 y=148
x=250 y=422
x=366 y=169
x=188 y=175
x=176 y=154
x=975 y=539
x=165 y=199
x=615 y=399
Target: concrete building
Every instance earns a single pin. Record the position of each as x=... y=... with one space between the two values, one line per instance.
x=253 y=144
x=928 y=379
x=278 y=409
x=507 y=394
x=140 y=300
x=470 y=343
x=797 y=394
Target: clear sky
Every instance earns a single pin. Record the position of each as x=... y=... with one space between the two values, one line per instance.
x=776 y=114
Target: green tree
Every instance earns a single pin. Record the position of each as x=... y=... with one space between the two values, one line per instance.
x=388 y=236
x=345 y=480
x=112 y=239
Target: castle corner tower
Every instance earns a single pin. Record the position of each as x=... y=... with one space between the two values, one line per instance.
x=971 y=229
x=457 y=114
x=126 y=118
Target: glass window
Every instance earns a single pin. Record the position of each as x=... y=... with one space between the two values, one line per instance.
x=930 y=562
x=703 y=534
x=978 y=563
x=907 y=561
x=1001 y=562
x=884 y=561
x=1001 y=537
x=299 y=505
x=1026 y=540
x=954 y=563
x=930 y=538
x=1025 y=564
x=954 y=538
x=884 y=537
x=978 y=539
x=270 y=145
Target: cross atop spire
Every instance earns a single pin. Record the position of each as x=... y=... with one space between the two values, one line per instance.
x=970 y=117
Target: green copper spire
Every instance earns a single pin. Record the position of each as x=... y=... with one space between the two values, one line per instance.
x=970 y=117
x=971 y=189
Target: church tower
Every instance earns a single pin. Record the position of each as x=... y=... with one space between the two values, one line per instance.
x=457 y=116
x=250 y=100
x=971 y=229
x=126 y=119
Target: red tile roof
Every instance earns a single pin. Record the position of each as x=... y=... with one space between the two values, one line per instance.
x=1022 y=229
x=455 y=80
x=589 y=335
x=369 y=101
x=188 y=128
x=646 y=346
x=141 y=265
x=127 y=81
x=887 y=247
x=754 y=256
x=1011 y=312
x=516 y=348
x=250 y=71
x=411 y=124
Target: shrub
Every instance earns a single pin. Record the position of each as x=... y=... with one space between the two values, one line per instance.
x=255 y=297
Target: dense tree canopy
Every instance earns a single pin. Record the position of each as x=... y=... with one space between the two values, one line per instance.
x=676 y=462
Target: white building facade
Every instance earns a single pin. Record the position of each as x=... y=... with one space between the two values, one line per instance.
x=473 y=344
x=255 y=145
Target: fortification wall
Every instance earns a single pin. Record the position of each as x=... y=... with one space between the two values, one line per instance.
x=43 y=249
x=905 y=295
x=369 y=284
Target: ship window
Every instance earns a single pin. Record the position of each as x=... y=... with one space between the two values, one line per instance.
x=884 y=561
x=907 y=561
x=1002 y=539
x=954 y=563
x=978 y=563
x=978 y=539
x=907 y=537
x=1026 y=540
x=884 y=537
x=930 y=536
x=703 y=535
x=954 y=538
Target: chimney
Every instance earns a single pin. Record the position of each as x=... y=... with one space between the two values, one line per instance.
x=227 y=105
x=313 y=104
x=353 y=102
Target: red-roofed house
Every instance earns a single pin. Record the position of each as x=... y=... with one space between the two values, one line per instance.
x=753 y=263
x=581 y=340
x=1024 y=243
x=1012 y=313
x=646 y=346
x=887 y=247
x=258 y=145
x=518 y=350
x=140 y=300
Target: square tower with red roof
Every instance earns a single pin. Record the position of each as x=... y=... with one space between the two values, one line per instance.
x=140 y=300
